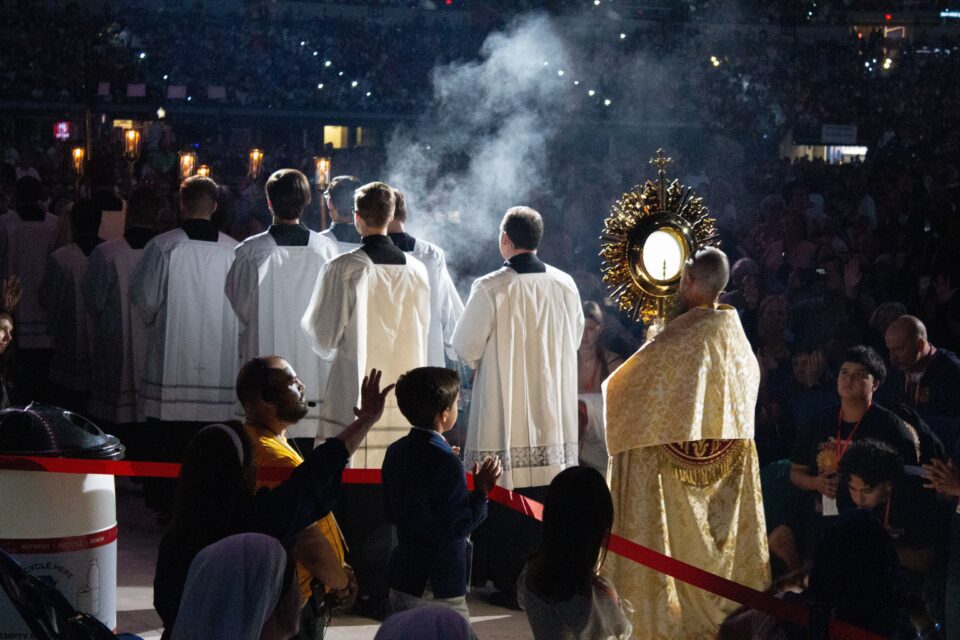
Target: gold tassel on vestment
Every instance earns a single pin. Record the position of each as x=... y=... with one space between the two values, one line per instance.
x=701 y=463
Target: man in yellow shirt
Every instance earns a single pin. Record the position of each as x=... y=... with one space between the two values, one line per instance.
x=273 y=399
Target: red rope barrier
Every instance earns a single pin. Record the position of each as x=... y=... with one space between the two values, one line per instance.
x=793 y=613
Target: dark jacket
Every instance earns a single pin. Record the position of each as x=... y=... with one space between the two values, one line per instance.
x=306 y=496
x=425 y=496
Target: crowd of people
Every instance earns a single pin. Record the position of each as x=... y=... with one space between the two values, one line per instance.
x=352 y=64
x=842 y=277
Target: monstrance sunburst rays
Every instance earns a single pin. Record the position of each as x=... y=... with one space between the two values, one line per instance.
x=673 y=210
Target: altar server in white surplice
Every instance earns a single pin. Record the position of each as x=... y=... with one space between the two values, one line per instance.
x=445 y=303
x=192 y=360
x=520 y=330
x=26 y=237
x=340 y=204
x=177 y=287
x=61 y=298
x=370 y=308
x=269 y=286
x=117 y=333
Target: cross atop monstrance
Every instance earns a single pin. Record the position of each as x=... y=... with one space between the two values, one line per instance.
x=650 y=233
x=661 y=162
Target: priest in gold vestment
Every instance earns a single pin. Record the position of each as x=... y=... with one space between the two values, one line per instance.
x=685 y=479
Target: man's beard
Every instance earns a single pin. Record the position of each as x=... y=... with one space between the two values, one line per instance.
x=292 y=413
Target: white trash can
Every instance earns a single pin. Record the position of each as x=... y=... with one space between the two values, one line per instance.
x=60 y=527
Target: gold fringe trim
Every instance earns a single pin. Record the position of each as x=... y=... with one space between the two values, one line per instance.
x=698 y=465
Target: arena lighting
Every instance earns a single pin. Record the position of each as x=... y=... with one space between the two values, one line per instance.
x=606 y=102
x=623 y=36
x=950 y=13
x=327 y=63
x=161 y=113
x=887 y=64
x=560 y=72
x=591 y=93
x=715 y=61
x=320 y=86
x=354 y=84
x=62 y=130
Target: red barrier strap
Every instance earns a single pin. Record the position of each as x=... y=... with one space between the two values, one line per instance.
x=793 y=613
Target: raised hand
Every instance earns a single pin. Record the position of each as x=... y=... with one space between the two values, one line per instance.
x=486 y=474
x=372 y=399
x=942 y=287
x=852 y=275
x=11 y=292
x=943 y=477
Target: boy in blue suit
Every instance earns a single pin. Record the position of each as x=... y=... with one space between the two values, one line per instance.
x=426 y=498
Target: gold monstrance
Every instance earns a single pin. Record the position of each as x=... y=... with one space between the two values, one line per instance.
x=651 y=232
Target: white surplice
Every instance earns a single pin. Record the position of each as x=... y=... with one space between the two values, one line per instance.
x=24 y=246
x=361 y=316
x=342 y=247
x=113 y=223
x=269 y=287
x=66 y=318
x=117 y=332
x=192 y=361
x=521 y=333
x=445 y=303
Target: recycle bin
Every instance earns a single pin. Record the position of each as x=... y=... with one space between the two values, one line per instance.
x=60 y=527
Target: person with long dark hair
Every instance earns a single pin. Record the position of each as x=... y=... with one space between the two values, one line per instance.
x=560 y=589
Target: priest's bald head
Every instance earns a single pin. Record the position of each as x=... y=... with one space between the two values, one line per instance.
x=704 y=278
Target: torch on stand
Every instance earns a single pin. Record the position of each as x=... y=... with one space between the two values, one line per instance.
x=188 y=164
x=321 y=177
x=78 y=157
x=131 y=151
x=254 y=164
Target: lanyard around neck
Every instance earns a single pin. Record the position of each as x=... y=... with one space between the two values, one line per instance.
x=843 y=443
